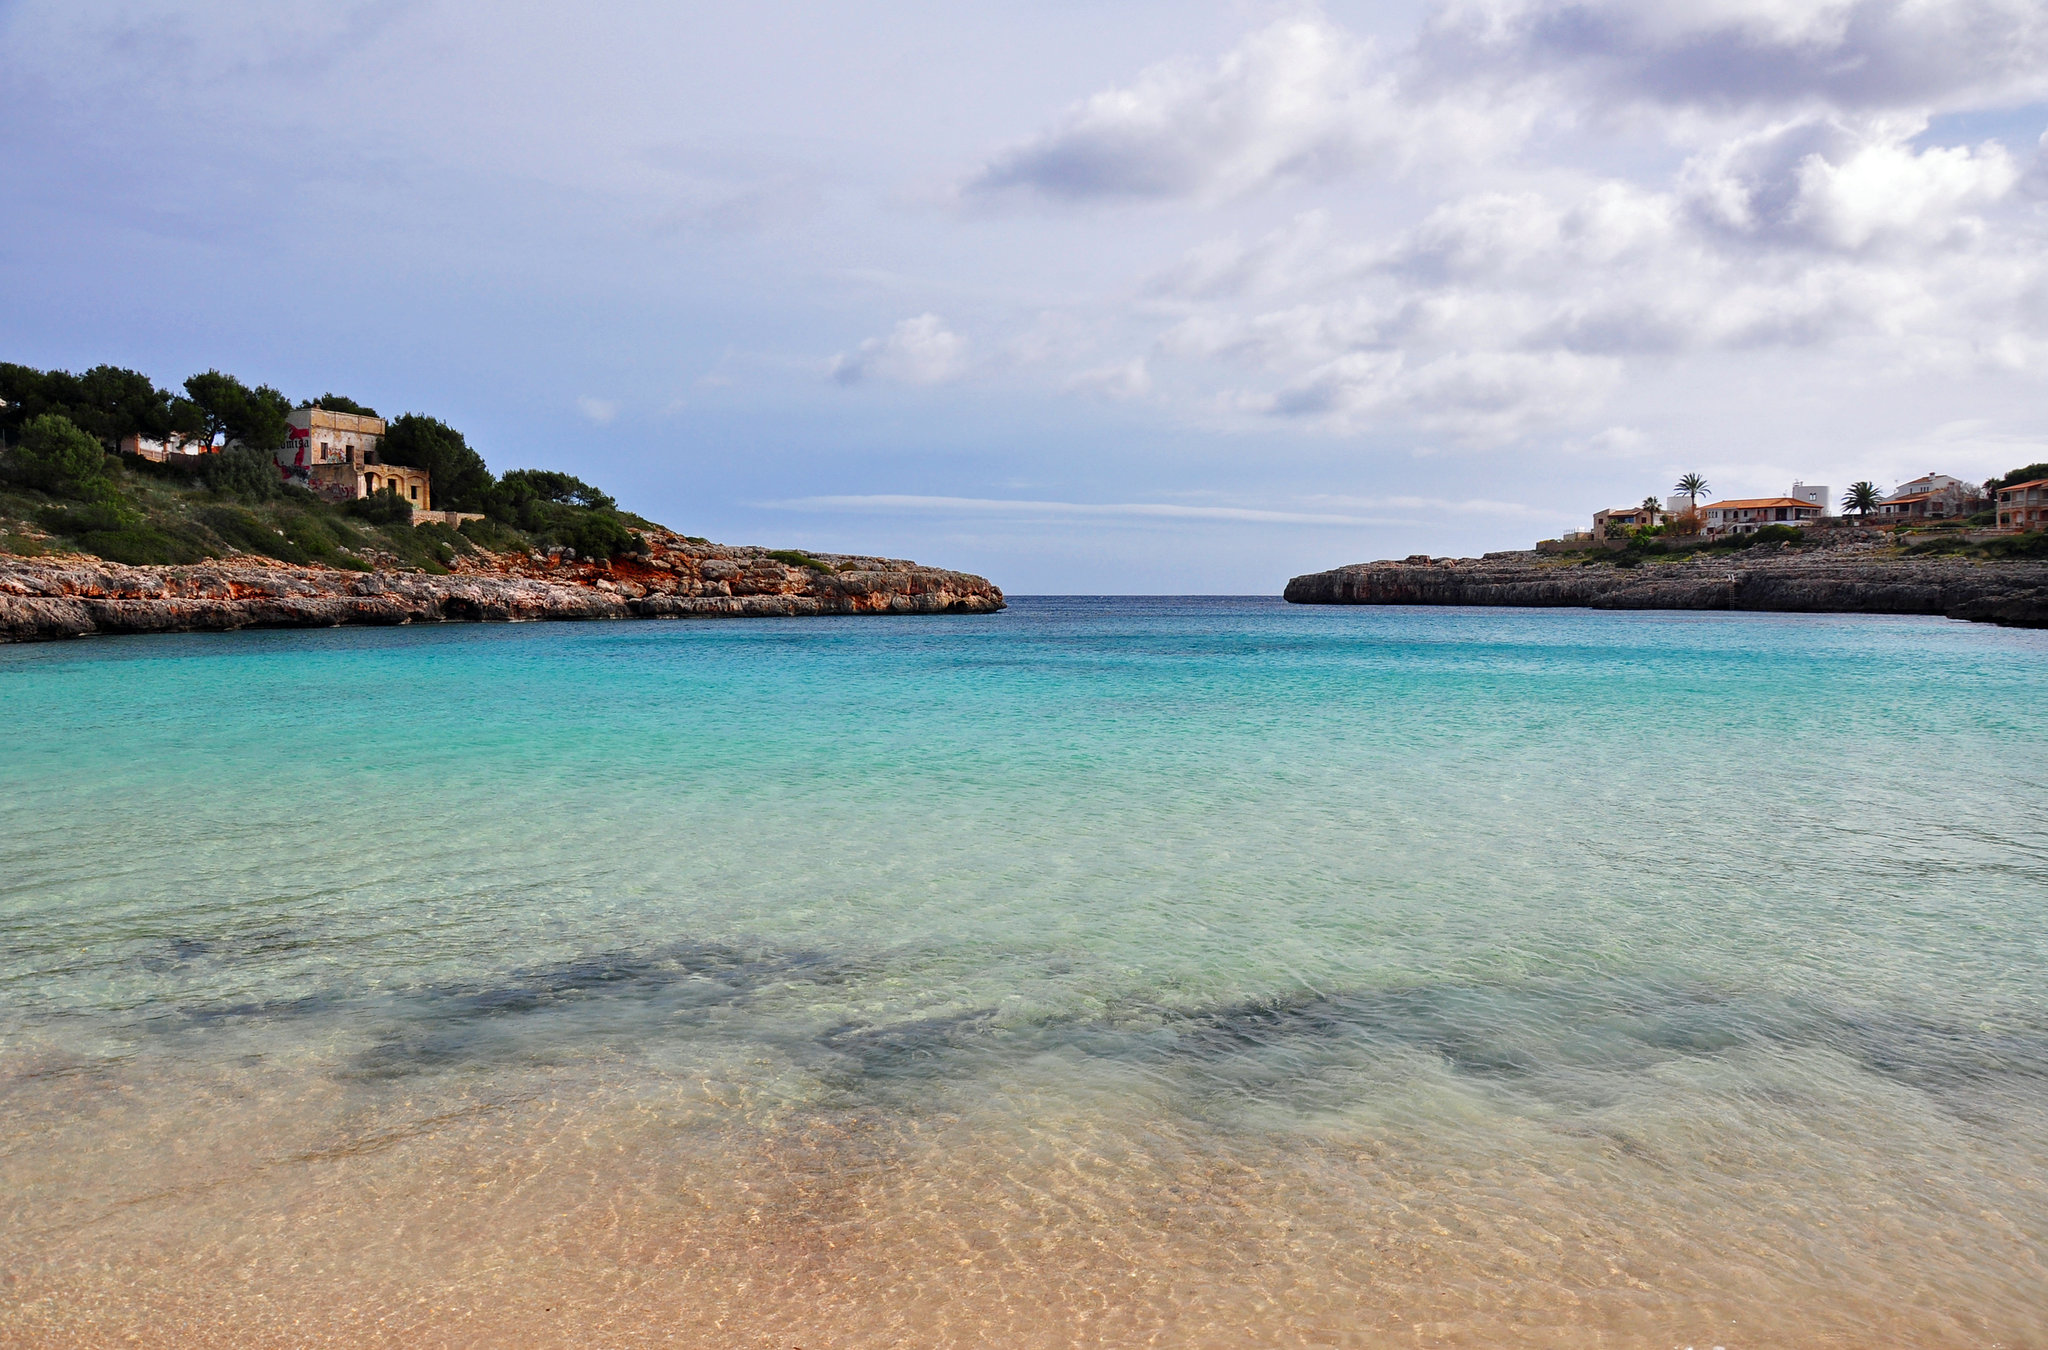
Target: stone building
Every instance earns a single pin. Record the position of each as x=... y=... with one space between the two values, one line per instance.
x=1620 y=519
x=335 y=455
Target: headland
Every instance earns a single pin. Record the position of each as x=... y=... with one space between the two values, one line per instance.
x=78 y=595
x=1867 y=576
x=125 y=508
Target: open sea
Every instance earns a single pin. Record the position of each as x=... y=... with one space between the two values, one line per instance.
x=1190 y=973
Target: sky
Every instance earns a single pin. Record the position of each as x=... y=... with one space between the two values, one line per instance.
x=1096 y=298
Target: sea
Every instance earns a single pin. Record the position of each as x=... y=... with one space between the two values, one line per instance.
x=1103 y=972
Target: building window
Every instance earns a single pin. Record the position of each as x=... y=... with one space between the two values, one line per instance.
x=415 y=491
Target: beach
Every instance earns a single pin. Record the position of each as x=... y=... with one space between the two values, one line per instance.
x=1101 y=972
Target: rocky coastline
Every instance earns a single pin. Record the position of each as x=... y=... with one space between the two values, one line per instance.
x=75 y=595
x=1773 y=578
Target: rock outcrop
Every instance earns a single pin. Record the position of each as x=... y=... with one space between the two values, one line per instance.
x=77 y=596
x=1765 y=578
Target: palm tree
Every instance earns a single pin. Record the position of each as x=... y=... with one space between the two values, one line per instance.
x=1652 y=508
x=1692 y=485
x=1862 y=498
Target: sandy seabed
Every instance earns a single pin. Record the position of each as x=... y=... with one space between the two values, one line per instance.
x=601 y=1205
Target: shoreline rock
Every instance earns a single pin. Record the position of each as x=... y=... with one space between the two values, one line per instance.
x=74 y=595
x=2011 y=593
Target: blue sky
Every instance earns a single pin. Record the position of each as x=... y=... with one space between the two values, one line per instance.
x=1139 y=298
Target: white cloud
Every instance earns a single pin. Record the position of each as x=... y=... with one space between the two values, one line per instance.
x=1726 y=55
x=599 y=410
x=1488 y=395
x=1500 y=314
x=1824 y=183
x=1132 y=379
x=1296 y=101
x=893 y=503
x=920 y=350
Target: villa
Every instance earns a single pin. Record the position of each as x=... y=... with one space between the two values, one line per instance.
x=1936 y=496
x=1622 y=518
x=2023 y=506
x=1750 y=514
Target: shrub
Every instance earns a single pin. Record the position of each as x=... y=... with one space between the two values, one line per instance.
x=55 y=456
x=239 y=529
x=2033 y=544
x=493 y=535
x=241 y=472
x=120 y=534
x=796 y=559
x=385 y=507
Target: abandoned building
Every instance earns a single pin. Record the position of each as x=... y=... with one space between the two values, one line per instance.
x=335 y=455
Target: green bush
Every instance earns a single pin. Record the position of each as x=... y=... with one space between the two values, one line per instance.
x=120 y=534
x=385 y=507
x=241 y=472
x=493 y=535
x=793 y=558
x=310 y=535
x=239 y=529
x=58 y=458
x=2033 y=544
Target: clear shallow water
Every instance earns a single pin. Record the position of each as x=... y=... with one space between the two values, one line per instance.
x=1111 y=972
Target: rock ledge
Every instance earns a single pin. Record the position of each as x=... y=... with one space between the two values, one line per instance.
x=2014 y=593
x=76 y=596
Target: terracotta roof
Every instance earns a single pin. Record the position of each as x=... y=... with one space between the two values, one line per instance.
x=1753 y=503
x=1916 y=497
x=2031 y=482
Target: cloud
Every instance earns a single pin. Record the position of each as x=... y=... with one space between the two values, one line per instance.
x=1295 y=101
x=1482 y=394
x=919 y=350
x=890 y=503
x=1827 y=184
x=1132 y=379
x=1326 y=509
x=1502 y=313
x=1726 y=55
x=599 y=410
x=1229 y=267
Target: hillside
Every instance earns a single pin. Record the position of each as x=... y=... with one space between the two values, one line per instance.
x=96 y=541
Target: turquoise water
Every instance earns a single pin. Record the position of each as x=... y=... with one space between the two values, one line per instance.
x=1213 y=971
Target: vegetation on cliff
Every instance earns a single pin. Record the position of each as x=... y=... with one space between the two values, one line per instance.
x=63 y=483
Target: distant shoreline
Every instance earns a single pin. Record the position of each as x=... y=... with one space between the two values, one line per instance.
x=73 y=595
x=1771 y=578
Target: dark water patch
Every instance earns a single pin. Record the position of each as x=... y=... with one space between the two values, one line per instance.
x=618 y=999
x=1450 y=1021
x=1576 y=1046
x=926 y=1047
x=182 y=951
x=1962 y=1068
x=306 y=1005
x=1566 y=1047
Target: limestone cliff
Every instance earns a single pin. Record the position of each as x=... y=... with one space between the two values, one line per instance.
x=75 y=596
x=2005 y=592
